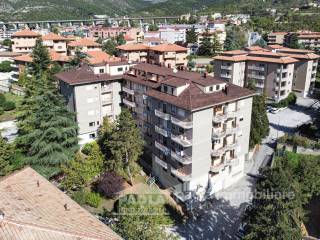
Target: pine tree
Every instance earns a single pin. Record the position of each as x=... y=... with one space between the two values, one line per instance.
x=110 y=47
x=292 y=41
x=259 y=121
x=216 y=45
x=40 y=58
x=276 y=210
x=104 y=136
x=206 y=46
x=6 y=153
x=191 y=36
x=126 y=146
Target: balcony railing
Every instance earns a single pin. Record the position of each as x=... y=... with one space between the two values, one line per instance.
x=162 y=148
x=161 y=131
x=162 y=115
x=232 y=161
x=217 y=167
x=129 y=103
x=256 y=76
x=127 y=90
x=183 y=124
x=106 y=88
x=218 y=133
x=106 y=101
x=183 y=159
x=219 y=117
x=226 y=76
x=183 y=175
x=226 y=67
x=182 y=140
x=231 y=146
x=252 y=67
x=217 y=152
x=160 y=162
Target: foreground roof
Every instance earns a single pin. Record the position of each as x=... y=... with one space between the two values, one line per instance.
x=98 y=57
x=34 y=209
x=83 y=75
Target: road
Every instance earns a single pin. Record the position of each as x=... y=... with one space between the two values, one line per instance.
x=221 y=220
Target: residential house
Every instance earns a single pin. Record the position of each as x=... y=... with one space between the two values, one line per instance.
x=24 y=41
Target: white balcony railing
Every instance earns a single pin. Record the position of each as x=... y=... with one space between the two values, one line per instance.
x=217 y=167
x=129 y=103
x=226 y=76
x=162 y=115
x=106 y=101
x=226 y=67
x=161 y=131
x=256 y=76
x=219 y=117
x=231 y=146
x=183 y=159
x=106 y=88
x=217 y=152
x=183 y=124
x=162 y=148
x=127 y=90
x=252 y=67
x=218 y=133
x=160 y=162
x=184 y=176
x=182 y=140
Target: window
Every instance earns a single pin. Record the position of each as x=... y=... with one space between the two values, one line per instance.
x=92 y=124
x=101 y=70
x=241 y=119
x=165 y=88
x=217 y=87
x=98 y=123
x=92 y=135
x=172 y=90
x=211 y=89
x=120 y=69
x=173 y=109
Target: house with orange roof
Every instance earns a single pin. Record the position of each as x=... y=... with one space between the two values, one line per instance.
x=169 y=55
x=84 y=45
x=55 y=42
x=276 y=37
x=24 y=41
x=306 y=38
x=134 y=52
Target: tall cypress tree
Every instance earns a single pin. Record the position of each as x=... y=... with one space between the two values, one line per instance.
x=6 y=152
x=40 y=58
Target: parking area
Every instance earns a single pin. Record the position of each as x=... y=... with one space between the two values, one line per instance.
x=287 y=120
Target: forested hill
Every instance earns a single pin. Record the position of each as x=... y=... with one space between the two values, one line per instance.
x=74 y=9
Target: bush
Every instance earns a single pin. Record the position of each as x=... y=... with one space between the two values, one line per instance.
x=2 y=99
x=9 y=105
x=110 y=184
x=5 y=66
x=79 y=197
x=93 y=199
x=1 y=110
x=87 y=148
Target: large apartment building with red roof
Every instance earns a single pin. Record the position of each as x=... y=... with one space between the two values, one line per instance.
x=196 y=128
x=24 y=41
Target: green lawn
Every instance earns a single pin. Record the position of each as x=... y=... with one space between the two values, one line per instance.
x=11 y=115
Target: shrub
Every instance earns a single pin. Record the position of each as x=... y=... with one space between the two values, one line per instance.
x=79 y=197
x=93 y=199
x=1 y=110
x=2 y=100
x=9 y=105
x=110 y=184
x=87 y=148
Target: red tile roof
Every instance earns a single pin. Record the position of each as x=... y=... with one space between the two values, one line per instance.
x=34 y=209
x=26 y=33
x=84 y=42
x=54 y=37
x=98 y=57
x=168 y=47
x=54 y=56
x=133 y=47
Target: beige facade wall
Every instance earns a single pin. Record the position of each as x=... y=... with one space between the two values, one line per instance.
x=23 y=44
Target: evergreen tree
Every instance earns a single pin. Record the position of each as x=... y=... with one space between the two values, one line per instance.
x=153 y=27
x=40 y=58
x=191 y=36
x=261 y=43
x=6 y=153
x=126 y=146
x=81 y=170
x=104 y=136
x=292 y=41
x=110 y=47
x=206 y=46
x=120 y=39
x=259 y=121
x=78 y=58
x=230 y=42
x=276 y=210
x=216 y=45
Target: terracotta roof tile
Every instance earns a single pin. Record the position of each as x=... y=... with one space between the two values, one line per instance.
x=55 y=57
x=84 y=42
x=34 y=209
x=26 y=33
x=98 y=57
x=54 y=37
x=133 y=47
x=168 y=47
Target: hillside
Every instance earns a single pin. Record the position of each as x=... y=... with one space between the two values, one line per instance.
x=73 y=9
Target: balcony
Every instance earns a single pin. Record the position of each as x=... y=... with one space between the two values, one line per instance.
x=226 y=75
x=232 y=161
x=161 y=131
x=259 y=85
x=106 y=101
x=182 y=140
x=231 y=146
x=218 y=133
x=106 y=88
x=252 y=67
x=129 y=103
x=162 y=148
x=217 y=152
x=219 y=117
x=232 y=130
x=128 y=90
x=217 y=168
x=256 y=76
x=183 y=124
x=160 y=114
x=183 y=173
x=183 y=159
x=225 y=67
x=160 y=162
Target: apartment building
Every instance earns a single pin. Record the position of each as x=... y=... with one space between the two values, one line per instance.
x=306 y=38
x=24 y=41
x=305 y=69
x=84 y=45
x=276 y=37
x=275 y=70
x=220 y=35
x=112 y=32
x=93 y=92
x=55 y=42
x=135 y=52
x=165 y=54
x=197 y=127
x=171 y=35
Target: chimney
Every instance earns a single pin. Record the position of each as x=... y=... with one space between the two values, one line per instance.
x=226 y=89
x=205 y=74
x=38 y=183
x=1 y=216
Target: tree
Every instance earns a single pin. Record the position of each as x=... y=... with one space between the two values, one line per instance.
x=7 y=42
x=292 y=41
x=261 y=43
x=153 y=27
x=206 y=46
x=276 y=210
x=5 y=66
x=40 y=58
x=110 y=184
x=259 y=121
x=104 y=136
x=80 y=171
x=126 y=146
x=142 y=219
x=110 y=47
x=78 y=58
x=191 y=36
x=55 y=30
x=216 y=45
x=6 y=153
x=120 y=39
x=236 y=39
